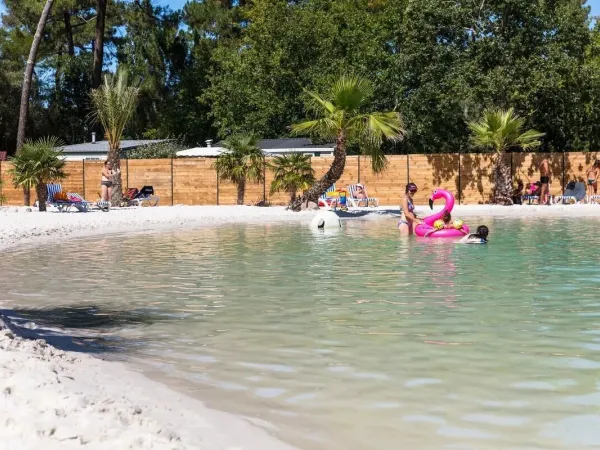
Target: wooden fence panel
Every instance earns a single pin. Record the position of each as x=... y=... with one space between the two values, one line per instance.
x=321 y=165
x=92 y=175
x=476 y=170
x=13 y=196
x=577 y=164
x=151 y=172
x=388 y=186
x=194 y=182
x=278 y=198
x=432 y=171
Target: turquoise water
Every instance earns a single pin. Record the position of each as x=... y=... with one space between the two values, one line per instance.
x=352 y=340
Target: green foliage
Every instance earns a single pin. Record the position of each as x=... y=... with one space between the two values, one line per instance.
x=242 y=161
x=219 y=67
x=38 y=163
x=503 y=130
x=167 y=149
x=113 y=106
x=291 y=173
x=339 y=115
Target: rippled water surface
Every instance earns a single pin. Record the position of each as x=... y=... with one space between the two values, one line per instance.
x=353 y=340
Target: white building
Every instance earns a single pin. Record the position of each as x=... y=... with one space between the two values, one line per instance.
x=99 y=149
x=272 y=147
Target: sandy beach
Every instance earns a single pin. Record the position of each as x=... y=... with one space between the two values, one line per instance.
x=55 y=399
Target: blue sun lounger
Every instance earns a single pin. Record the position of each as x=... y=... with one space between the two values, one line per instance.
x=75 y=200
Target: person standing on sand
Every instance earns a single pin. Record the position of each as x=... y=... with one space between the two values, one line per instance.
x=593 y=174
x=107 y=180
x=545 y=182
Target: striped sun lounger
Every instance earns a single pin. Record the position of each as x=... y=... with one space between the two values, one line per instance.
x=74 y=200
x=353 y=201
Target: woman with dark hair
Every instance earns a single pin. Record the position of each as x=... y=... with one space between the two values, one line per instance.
x=107 y=180
x=408 y=219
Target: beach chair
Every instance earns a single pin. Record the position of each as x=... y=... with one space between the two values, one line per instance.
x=574 y=193
x=324 y=200
x=144 y=195
x=355 y=202
x=68 y=201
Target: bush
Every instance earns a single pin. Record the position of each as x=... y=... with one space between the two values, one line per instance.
x=160 y=150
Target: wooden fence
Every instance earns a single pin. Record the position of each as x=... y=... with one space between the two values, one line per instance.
x=194 y=181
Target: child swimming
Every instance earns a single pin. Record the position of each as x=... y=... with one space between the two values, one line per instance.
x=480 y=237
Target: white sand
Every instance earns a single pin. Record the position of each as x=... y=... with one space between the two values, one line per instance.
x=55 y=400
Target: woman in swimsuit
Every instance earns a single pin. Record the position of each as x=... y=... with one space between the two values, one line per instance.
x=107 y=182
x=592 y=178
x=408 y=218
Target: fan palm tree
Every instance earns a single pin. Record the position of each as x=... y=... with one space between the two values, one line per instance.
x=292 y=173
x=340 y=116
x=243 y=161
x=36 y=164
x=502 y=129
x=113 y=106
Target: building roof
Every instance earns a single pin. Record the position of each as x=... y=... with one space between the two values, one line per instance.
x=102 y=146
x=296 y=144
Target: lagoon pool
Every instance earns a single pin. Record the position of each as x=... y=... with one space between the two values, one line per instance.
x=357 y=339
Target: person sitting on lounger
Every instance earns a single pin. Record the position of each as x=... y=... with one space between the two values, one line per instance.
x=360 y=193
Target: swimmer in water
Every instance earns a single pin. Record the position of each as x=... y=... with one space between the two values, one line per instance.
x=480 y=237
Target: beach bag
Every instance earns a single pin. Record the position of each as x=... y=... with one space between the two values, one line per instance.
x=61 y=196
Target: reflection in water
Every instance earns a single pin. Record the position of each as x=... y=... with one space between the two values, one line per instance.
x=337 y=338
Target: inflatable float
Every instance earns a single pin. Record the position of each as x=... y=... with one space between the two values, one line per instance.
x=429 y=221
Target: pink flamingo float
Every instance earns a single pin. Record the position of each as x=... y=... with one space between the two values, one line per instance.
x=423 y=228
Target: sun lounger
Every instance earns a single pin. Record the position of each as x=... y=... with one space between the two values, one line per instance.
x=355 y=202
x=574 y=193
x=144 y=195
x=593 y=199
x=324 y=200
x=71 y=200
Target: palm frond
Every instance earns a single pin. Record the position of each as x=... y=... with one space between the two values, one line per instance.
x=325 y=127
x=113 y=105
x=38 y=162
x=503 y=129
x=242 y=160
x=350 y=92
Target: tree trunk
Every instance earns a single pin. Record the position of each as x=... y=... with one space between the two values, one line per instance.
x=28 y=75
x=99 y=43
x=502 y=181
x=241 y=190
x=69 y=32
x=333 y=174
x=114 y=157
x=42 y=196
x=292 y=197
x=27 y=196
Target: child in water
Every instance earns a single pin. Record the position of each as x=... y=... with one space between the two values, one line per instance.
x=447 y=220
x=480 y=237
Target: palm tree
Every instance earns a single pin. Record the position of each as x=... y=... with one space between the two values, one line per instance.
x=292 y=173
x=113 y=106
x=242 y=161
x=502 y=130
x=340 y=116
x=26 y=88
x=36 y=164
